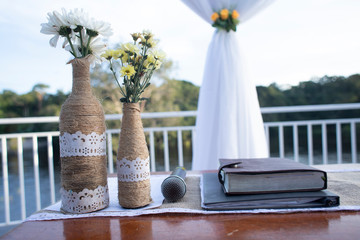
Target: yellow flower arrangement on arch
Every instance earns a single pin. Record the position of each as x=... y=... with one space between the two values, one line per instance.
x=225 y=19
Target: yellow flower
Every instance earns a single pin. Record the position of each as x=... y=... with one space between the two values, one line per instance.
x=152 y=42
x=113 y=54
x=153 y=61
x=146 y=65
x=142 y=40
x=214 y=16
x=235 y=14
x=157 y=65
x=158 y=54
x=149 y=62
x=108 y=54
x=128 y=71
x=135 y=36
x=147 y=34
x=122 y=54
x=224 y=14
x=150 y=58
x=130 y=48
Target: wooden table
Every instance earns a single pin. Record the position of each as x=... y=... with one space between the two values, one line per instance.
x=314 y=225
x=311 y=225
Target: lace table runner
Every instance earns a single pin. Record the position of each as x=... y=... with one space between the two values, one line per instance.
x=345 y=183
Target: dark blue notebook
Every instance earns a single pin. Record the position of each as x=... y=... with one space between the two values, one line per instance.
x=214 y=198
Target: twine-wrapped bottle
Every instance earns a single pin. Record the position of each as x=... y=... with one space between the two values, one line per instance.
x=133 y=166
x=82 y=146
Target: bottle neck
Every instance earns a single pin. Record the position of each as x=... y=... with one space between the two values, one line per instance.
x=131 y=108
x=81 y=76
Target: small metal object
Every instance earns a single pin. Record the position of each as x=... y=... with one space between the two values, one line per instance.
x=329 y=202
x=173 y=187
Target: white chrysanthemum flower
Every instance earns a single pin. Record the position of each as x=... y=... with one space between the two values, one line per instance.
x=102 y=28
x=97 y=47
x=65 y=17
x=81 y=18
x=78 y=18
x=65 y=43
x=55 y=22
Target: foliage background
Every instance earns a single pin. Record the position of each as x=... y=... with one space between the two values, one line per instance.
x=168 y=94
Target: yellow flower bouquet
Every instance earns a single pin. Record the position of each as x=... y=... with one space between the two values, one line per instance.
x=137 y=62
x=225 y=19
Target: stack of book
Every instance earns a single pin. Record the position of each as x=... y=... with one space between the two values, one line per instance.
x=265 y=183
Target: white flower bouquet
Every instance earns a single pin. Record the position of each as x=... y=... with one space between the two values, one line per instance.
x=80 y=32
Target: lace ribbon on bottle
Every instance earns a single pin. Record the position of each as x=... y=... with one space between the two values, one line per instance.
x=79 y=144
x=133 y=170
x=84 y=201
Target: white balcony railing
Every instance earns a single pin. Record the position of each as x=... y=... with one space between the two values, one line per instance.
x=30 y=166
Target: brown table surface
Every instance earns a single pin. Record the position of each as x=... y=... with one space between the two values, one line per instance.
x=311 y=225
x=314 y=225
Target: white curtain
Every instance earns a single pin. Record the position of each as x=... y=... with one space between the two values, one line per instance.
x=229 y=123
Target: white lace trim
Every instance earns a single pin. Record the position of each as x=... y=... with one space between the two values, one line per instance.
x=79 y=144
x=133 y=170
x=85 y=201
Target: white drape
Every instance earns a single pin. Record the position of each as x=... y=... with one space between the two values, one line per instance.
x=229 y=123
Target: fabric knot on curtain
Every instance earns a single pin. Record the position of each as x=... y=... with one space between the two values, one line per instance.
x=229 y=122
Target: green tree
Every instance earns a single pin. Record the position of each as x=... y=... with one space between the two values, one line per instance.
x=167 y=94
x=271 y=96
x=40 y=90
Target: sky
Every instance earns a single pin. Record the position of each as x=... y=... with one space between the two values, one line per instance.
x=288 y=42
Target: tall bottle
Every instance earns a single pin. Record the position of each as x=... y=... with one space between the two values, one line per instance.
x=83 y=146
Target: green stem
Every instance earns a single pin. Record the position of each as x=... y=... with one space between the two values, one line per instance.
x=112 y=70
x=87 y=46
x=81 y=44
x=71 y=45
x=147 y=78
x=140 y=69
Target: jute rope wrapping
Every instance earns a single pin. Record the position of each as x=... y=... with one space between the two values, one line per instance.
x=133 y=146
x=82 y=112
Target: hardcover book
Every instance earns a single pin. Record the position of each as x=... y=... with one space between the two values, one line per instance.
x=214 y=198
x=269 y=175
